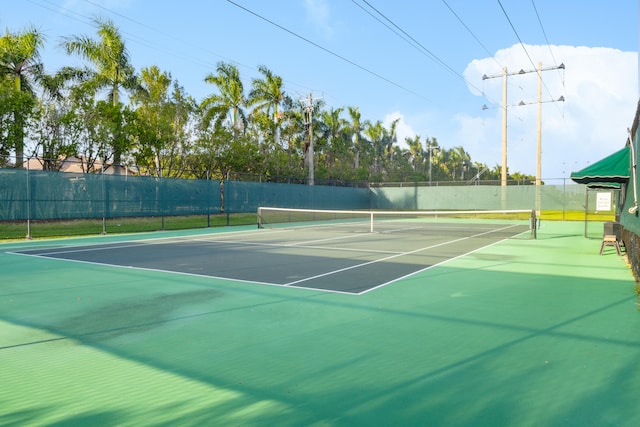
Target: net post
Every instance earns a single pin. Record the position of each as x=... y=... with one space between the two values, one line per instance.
x=259 y=217
x=371 y=222
x=534 y=224
x=28 y=237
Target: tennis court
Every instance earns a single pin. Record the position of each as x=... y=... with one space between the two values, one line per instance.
x=341 y=256
x=474 y=325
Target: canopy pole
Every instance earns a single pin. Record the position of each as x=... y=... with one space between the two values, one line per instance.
x=586 y=212
x=634 y=208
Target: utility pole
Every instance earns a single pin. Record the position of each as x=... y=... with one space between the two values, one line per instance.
x=503 y=181
x=431 y=147
x=308 y=121
x=504 y=75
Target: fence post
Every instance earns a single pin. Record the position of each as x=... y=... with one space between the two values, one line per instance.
x=104 y=201
x=208 y=199
x=29 y=237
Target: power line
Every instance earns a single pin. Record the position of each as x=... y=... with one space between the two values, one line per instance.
x=486 y=50
x=415 y=43
x=544 y=33
x=84 y=19
x=524 y=48
x=61 y=10
x=533 y=3
x=328 y=51
x=471 y=32
x=385 y=24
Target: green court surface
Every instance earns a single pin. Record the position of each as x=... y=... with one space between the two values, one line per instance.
x=521 y=332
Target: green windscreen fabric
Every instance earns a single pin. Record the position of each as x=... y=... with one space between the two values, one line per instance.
x=630 y=214
x=43 y=195
x=614 y=168
x=480 y=197
x=241 y=196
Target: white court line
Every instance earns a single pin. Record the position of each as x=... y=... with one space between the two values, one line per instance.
x=435 y=265
x=59 y=244
x=395 y=256
x=305 y=244
x=183 y=273
x=138 y=243
x=302 y=245
x=131 y=267
x=294 y=283
x=98 y=246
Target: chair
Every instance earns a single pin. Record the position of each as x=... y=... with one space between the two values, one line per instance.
x=612 y=236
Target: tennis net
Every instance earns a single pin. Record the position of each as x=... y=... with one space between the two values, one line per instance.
x=385 y=221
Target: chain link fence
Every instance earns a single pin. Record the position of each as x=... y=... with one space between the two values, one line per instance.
x=31 y=199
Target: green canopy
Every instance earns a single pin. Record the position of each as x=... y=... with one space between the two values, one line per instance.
x=605 y=185
x=613 y=169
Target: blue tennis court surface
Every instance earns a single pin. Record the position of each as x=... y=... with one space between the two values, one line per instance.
x=308 y=258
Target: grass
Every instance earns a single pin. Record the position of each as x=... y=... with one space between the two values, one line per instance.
x=10 y=230
x=559 y=215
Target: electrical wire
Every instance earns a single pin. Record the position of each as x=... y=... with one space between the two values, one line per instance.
x=544 y=33
x=330 y=52
x=87 y=20
x=491 y=55
x=525 y=50
x=413 y=42
x=555 y=63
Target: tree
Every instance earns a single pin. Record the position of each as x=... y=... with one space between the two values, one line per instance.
x=92 y=131
x=161 y=121
x=266 y=97
x=20 y=63
x=416 y=153
x=55 y=130
x=216 y=150
x=12 y=104
x=383 y=141
x=333 y=136
x=293 y=136
x=229 y=103
x=112 y=70
x=355 y=128
x=375 y=133
x=434 y=155
x=460 y=161
x=97 y=127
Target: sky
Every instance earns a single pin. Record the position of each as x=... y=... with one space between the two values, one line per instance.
x=421 y=62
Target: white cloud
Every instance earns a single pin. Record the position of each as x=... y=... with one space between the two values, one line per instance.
x=600 y=88
x=403 y=129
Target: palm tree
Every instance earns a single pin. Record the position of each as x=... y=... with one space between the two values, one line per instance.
x=356 y=129
x=266 y=96
x=293 y=135
x=20 y=61
x=155 y=117
x=390 y=139
x=433 y=153
x=460 y=161
x=54 y=132
x=333 y=127
x=416 y=153
x=112 y=69
x=229 y=103
x=376 y=132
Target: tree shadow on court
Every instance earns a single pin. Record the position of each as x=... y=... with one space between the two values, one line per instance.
x=522 y=349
